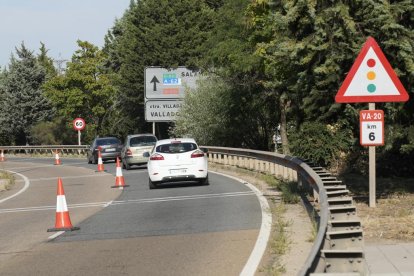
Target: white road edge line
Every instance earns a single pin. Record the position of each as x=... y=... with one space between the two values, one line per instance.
x=25 y=187
x=265 y=229
x=55 y=235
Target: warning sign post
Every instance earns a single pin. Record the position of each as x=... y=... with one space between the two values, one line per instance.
x=370 y=80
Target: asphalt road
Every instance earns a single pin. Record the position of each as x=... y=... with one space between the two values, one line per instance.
x=183 y=229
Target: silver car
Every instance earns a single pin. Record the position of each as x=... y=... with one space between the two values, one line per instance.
x=134 y=147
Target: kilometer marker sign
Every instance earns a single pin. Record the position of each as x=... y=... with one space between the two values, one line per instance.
x=371 y=79
x=371 y=123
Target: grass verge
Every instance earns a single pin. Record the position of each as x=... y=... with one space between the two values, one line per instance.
x=8 y=180
x=392 y=218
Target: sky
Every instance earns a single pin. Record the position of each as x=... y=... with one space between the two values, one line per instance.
x=56 y=23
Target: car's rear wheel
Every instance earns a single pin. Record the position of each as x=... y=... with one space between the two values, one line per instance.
x=204 y=181
x=152 y=185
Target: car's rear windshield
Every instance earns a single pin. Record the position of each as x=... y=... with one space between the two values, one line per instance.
x=176 y=148
x=105 y=142
x=142 y=141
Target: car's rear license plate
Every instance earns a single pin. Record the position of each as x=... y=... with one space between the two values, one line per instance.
x=178 y=171
x=109 y=150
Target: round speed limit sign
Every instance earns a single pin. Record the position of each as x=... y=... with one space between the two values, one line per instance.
x=79 y=124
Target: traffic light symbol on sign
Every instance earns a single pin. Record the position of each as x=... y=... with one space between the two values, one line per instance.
x=371 y=75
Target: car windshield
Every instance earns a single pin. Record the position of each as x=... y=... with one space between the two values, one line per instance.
x=176 y=147
x=105 y=142
x=142 y=141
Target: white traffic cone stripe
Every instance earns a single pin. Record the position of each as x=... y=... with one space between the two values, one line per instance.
x=61 y=205
x=118 y=171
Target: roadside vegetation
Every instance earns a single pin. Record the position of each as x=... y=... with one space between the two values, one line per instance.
x=7 y=180
x=393 y=215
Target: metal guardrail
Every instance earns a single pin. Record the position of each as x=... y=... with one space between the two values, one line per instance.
x=48 y=149
x=338 y=246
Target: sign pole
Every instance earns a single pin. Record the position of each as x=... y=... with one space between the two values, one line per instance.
x=78 y=125
x=371 y=79
x=153 y=128
x=372 y=171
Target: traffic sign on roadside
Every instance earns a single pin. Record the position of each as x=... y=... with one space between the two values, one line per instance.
x=162 y=83
x=79 y=124
x=371 y=79
x=371 y=126
x=162 y=111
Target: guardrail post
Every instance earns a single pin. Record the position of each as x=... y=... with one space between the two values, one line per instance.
x=226 y=159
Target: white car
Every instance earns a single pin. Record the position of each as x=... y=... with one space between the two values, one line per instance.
x=177 y=160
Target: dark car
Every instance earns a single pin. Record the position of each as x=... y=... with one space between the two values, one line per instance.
x=110 y=148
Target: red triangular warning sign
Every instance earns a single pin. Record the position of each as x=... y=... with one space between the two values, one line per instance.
x=371 y=79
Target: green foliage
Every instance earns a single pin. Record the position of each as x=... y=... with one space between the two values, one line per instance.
x=56 y=132
x=290 y=192
x=46 y=62
x=203 y=117
x=85 y=90
x=147 y=37
x=321 y=143
x=23 y=103
x=247 y=112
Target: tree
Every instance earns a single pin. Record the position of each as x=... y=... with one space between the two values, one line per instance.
x=204 y=117
x=313 y=45
x=24 y=104
x=46 y=62
x=147 y=37
x=4 y=138
x=85 y=90
x=229 y=55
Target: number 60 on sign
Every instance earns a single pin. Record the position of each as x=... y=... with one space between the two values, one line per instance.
x=371 y=127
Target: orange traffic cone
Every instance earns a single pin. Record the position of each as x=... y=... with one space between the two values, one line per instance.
x=63 y=222
x=2 y=158
x=57 y=159
x=119 y=178
x=100 y=163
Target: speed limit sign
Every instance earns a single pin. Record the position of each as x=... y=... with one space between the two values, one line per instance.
x=79 y=124
x=371 y=127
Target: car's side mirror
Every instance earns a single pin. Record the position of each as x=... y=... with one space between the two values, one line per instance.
x=204 y=150
x=146 y=154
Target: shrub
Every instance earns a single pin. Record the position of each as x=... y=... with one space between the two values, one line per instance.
x=320 y=143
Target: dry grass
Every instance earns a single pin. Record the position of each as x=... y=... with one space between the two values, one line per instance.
x=391 y=219
x=7 y=180
x=393 y=216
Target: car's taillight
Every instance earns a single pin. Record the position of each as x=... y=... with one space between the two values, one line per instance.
x=197 y=153
x=129 y=152
x=157 y=156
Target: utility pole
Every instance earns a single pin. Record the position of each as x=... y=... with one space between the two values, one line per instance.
x=59 y=64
